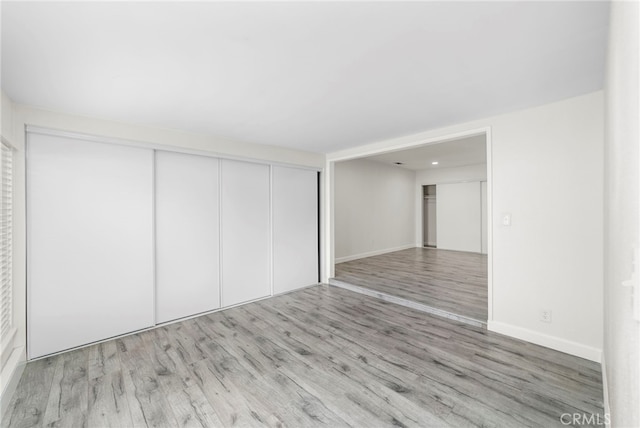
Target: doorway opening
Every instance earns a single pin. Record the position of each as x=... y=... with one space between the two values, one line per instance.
x=429 y=216
x=418 y=234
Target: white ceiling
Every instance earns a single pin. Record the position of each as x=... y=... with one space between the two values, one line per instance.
x=449 y=154
x=319 y=76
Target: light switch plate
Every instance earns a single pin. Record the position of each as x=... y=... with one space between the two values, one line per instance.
x=506 y=219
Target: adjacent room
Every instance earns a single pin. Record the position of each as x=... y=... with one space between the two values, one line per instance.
x=305 y=214
x=412 y=227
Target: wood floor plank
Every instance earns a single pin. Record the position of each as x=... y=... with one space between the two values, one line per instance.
x=29 y=403
x=108 y=405
x=147 y=403
x=396 y=378
x=225 y=396
x=453 y=281
x=103 y=359
x=192 y=409
x=465 y=340
x=363 y=388
x=187 y=401
x=189 y=348
x=292 y=406
x=288 y=369
x=69 y=394
x=455 y=375
x=406 y=388
x=318 y=357
x=299 y=406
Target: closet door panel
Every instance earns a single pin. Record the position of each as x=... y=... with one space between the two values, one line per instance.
x=89 y=241
x=246 y=234
x=187 y=235
x=459 y=216
x=295 y=228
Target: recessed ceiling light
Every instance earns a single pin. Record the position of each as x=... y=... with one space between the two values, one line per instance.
x=434 y=163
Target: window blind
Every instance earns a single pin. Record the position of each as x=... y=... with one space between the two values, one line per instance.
x=6 y=208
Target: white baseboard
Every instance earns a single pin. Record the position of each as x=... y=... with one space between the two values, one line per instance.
x=10 y=377
x=605 y=392
x=373 y=253
x=553 y=342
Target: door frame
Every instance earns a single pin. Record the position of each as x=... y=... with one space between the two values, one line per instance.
x=394 y=145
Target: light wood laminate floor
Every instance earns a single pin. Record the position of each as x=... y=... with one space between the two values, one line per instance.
x=452 y=281
x=321 y=356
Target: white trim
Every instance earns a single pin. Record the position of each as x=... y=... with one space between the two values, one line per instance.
x=435 y=183
x=489 y=146
x=30 y=129
x=27 y=247
x=552 y=342
x=220 y=232
x=322 y=231
x=154 y=241
x=395 y=145
x=407 y=303
x=270 y=230
x=10 y=376
x=329 y=230
x=374 y=253
x=605 y=392
x=7 y=344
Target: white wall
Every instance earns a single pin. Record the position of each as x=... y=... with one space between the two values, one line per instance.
x=548 y=174
x=6 y=111
x=19 y=116
x=484 y=214
x=622 y=191
x=167 y=137
x=451 y=175
x=374 y=209
x=546 y=170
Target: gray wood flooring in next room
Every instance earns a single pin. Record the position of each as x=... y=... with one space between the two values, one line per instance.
x=452 y=281
x=322 y=356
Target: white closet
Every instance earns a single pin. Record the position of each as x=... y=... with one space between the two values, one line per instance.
x=122 y=238
x=246 y=232
x=295 y=228
x=459 y=216
x=187 y=235
x=89 y=241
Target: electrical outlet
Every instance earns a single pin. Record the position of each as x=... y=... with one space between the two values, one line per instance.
x=545 y=315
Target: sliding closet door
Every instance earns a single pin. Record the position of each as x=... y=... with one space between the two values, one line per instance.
x=246 y=237
x=89 y=241
x=187 y=235
x=295 y=228
x=459 y=216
